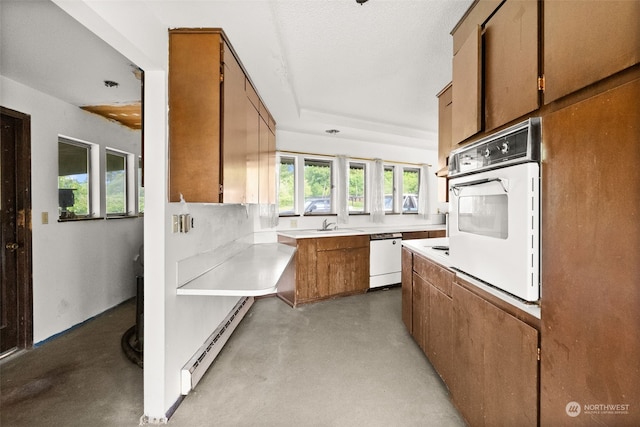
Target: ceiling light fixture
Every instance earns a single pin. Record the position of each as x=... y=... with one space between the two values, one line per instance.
x=361 y=2
x=332 y=131
x=111 y=83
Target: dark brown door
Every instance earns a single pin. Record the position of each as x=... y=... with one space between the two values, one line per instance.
x=15 y=235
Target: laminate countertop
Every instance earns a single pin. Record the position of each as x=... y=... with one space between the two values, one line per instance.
x=357 y=231
x=425 y=247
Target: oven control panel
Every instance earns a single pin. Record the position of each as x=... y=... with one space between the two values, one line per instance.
x=517 y=144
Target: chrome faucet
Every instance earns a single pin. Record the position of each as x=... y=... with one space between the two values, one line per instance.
x=325 y=225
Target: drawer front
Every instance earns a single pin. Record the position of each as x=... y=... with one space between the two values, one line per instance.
x=342 y=242
x=438 y=276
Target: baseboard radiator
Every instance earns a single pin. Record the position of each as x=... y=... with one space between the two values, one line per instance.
x=196 y=367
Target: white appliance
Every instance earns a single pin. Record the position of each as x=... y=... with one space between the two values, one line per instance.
x=385 y=261
x=494 y=210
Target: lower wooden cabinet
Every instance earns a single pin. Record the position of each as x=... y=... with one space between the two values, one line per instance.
x=327 y=267
x=440 y=333
x=485 y=355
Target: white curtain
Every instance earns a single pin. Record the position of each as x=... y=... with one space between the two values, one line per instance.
x=423 y=193
x=342 y=191
x=377 y=191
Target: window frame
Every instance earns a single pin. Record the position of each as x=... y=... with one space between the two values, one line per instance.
x=294 y=208
x=93 y=181
x=332 y=199
x=398 y=193
x=140 y=187
x=405 y=195
x=366 y=208
x=127 y=186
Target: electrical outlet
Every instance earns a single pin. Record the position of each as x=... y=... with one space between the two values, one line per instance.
x=293 y=223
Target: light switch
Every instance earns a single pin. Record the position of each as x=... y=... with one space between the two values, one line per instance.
x=45 y=217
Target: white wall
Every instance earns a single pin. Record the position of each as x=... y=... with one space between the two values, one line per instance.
x=80 y=268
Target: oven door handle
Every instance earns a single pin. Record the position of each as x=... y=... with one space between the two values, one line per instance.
x=456 y=188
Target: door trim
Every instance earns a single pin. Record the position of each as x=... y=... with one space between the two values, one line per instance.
x=23 y=228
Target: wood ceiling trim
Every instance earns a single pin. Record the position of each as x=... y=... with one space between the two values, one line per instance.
x=129 y=115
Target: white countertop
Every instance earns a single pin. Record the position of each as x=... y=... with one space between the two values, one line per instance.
x=347 y=230
x=253 y=271
x=424 y=247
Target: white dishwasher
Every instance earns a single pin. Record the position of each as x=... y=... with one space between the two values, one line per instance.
x=385 y=259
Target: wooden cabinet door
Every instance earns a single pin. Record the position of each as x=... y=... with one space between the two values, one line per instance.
x=234 y=131
x=342 y=271
x=586 y=41
x=467 y=382
x=420 y=311
x=407 y=289
x=306 y=271
x=467 y=89
x=253 y=152
x=444 y=125
x=511 y=370
x=263 y=168
x=271 y=161
x=511 y=63
x=194 y=116
x=590 y=316
x=439 y=331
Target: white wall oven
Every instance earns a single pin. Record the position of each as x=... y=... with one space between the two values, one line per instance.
x=494 y=210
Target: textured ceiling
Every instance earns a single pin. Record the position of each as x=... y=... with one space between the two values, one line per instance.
x=370 y=70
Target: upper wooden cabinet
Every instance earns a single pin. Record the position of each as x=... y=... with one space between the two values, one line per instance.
x=195 y=91
x=214 y=124
x=586 y=41
x=511 y=63
x=467 y=88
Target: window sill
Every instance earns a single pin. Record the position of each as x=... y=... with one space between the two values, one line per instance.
x=99 y=218
x=122 y=216
x=78 y=219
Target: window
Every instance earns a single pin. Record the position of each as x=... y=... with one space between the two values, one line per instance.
x=357 y=190
x=389 y=188
x=287 y=186
x=410 y=185
x=74 y=179
x=140 y=188
x=317 y=186
x=116 y=183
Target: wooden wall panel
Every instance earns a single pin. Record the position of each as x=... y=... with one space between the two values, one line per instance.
x=590 y=258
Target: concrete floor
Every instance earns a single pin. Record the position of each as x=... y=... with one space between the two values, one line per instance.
x=344 y=362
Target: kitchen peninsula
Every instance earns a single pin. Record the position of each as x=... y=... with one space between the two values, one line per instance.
x=331 y=263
